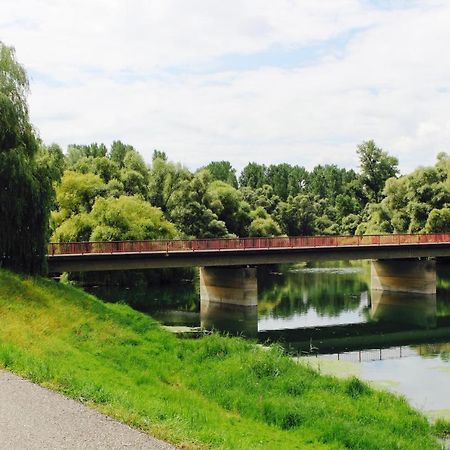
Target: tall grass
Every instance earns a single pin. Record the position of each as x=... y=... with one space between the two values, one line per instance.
x=214 y=392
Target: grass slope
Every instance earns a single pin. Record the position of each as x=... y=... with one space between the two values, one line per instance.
x=215 y=392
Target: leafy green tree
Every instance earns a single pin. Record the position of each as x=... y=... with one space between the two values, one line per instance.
x=76 y=228
x=263 y=196
x=15 y=128
x=350 y=224
x=262 y=224
x=76 y=152
x=227 y=203
x=52 y=158
x=267 y=227
x=378 y=220
x=134 y=161
x=418 y=213
x=191 y=213
x=26 y=180
x=329 y=181
x=158 y=154
x=123 y=218
x=438 y=221
x=134 y=175
x=297 y=216
x=278 y=177
x=128 y=218
x=115 y=188
x=222 y=171
x=346 y=204
x=409 y=201
x=133 y=182
x=102 y=166
x=253 y=175
x=118 y=151
x=298 y=179
x=259 y=213
x=376 y=167
x=165 y=180
x=76 y=193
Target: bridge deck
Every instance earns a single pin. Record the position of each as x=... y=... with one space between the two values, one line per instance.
x=298 y=242
x=85 y=256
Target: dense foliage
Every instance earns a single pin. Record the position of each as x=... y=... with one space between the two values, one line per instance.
x=26 y=192
x=415 y=203
x=212 y=202
x=265 y=200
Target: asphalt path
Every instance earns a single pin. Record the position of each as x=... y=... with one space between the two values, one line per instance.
x=32 y=417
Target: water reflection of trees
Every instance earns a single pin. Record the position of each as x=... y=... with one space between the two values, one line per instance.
x=328 y=292
x=284 y=292
x=443 y=290
x=183 y=296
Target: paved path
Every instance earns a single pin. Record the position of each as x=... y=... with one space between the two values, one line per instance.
x=32 y=417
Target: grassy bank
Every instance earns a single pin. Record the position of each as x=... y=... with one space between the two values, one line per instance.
x=214 y=392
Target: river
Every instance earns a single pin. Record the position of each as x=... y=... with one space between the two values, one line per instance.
x=325 y=315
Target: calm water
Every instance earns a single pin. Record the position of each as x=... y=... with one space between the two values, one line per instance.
x=327 y=310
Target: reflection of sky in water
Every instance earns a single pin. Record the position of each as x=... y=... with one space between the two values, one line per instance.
x=327 y=270
x=271 y=320
x=268 y=321
x=424 y=381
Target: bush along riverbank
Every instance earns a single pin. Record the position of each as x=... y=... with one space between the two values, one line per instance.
x=213 y=392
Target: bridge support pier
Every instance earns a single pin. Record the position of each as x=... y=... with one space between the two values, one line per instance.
x=228 y=300
x=406 y=275
x=229 y=285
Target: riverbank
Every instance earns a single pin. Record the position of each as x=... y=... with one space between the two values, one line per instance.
x=213 y=392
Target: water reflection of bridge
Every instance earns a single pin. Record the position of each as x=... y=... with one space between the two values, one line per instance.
x=355 y=337
x=375 y=354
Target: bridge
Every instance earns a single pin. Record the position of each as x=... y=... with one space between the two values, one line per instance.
x=400 y=262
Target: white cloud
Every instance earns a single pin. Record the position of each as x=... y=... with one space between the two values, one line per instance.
x=141 y=72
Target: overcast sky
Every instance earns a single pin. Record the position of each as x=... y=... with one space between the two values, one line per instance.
x=270 y=81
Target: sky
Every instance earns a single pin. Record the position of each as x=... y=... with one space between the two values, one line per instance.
x=303 y=82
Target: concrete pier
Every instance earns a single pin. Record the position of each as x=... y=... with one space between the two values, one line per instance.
x=406 y=275
x=229 y=285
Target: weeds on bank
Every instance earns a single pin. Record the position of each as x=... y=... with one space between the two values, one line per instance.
x=213 y=392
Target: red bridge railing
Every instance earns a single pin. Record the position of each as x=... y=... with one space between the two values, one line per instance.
x=250 y=243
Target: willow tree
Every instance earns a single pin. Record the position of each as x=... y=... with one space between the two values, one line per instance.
x=25 y=184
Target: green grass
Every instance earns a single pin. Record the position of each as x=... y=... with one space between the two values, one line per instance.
x=214 y=392
x=442 y=428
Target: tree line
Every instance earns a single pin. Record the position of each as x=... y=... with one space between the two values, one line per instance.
x=112 y=194
x=99 y=193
